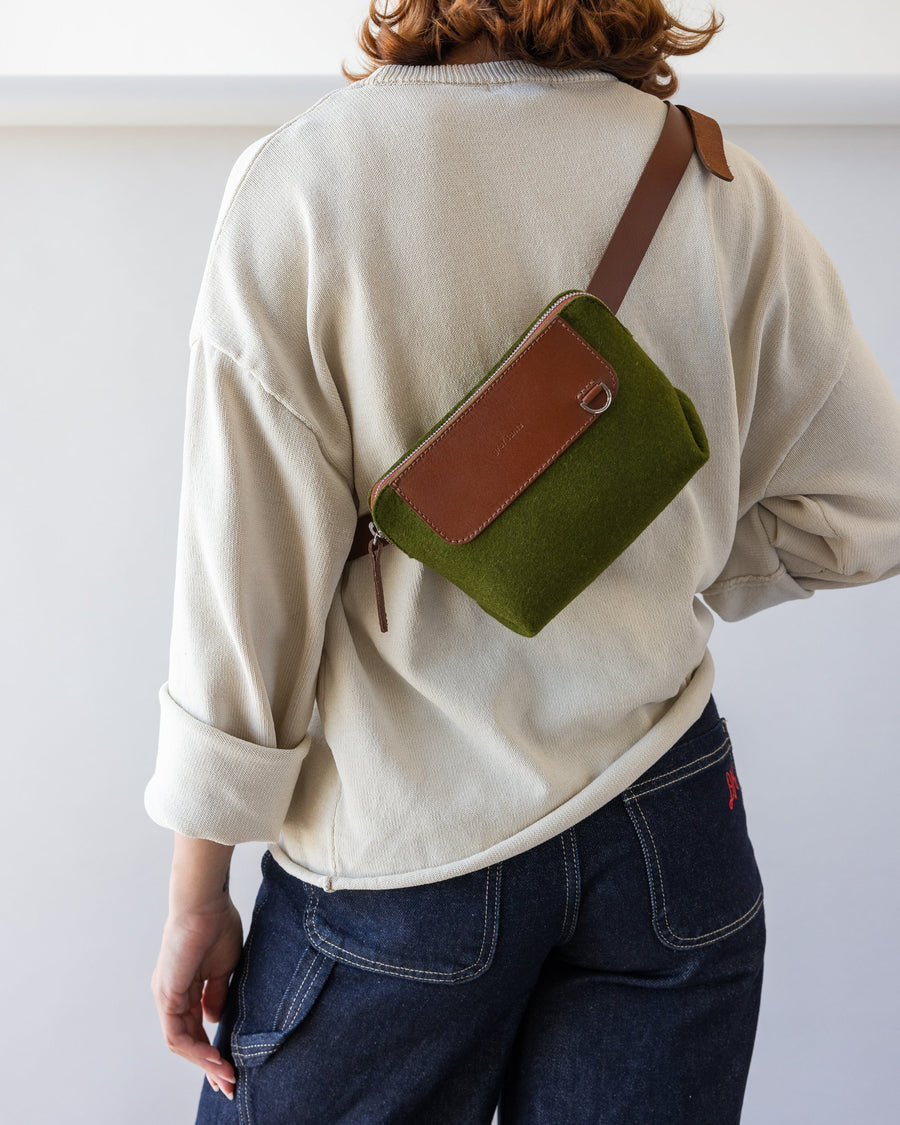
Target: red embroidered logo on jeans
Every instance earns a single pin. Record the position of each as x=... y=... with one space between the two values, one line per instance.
x=731 y=778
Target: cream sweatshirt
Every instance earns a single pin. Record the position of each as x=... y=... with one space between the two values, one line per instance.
x=372 y=259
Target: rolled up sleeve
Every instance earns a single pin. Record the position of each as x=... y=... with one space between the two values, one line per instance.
x=829 y=515
x=265 y=523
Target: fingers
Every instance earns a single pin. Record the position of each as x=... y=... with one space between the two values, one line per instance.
x=214 y=996
x=225 y=1088
x=186 y=1036
x=220 y=1074
x=222 y=1085
x=190 y=983
x=202 y=1053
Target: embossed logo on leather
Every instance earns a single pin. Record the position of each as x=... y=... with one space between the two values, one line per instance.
x=474 y=465
x=512 y=433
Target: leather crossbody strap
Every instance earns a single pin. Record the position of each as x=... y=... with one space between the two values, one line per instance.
x=682 y=134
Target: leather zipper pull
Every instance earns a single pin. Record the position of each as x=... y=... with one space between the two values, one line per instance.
x=376 y=543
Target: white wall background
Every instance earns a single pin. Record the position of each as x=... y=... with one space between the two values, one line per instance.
x=315 y=37
x=104 y=234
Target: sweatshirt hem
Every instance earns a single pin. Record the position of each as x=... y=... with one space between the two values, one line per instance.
x=685 y=711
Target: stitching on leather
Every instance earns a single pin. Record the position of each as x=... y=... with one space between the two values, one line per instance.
x=651 y=785
x=395 y=483
x=676 y=940
x=403 y=970
x=587 y=387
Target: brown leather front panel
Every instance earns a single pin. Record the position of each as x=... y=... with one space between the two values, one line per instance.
x=514 y=427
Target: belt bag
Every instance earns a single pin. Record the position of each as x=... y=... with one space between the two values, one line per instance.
x=570 y=446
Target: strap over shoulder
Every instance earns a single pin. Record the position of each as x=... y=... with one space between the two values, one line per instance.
x=684 y=132
x=708 y=143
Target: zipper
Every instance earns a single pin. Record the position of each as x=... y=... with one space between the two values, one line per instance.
x=383 y=482
x=379 y=539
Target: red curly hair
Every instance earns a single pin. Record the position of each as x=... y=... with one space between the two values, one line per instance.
x=632 y=39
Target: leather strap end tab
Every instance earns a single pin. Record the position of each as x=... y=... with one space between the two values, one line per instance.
x=708 y=143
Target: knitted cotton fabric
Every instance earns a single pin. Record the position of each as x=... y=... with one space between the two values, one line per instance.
x=372 y=258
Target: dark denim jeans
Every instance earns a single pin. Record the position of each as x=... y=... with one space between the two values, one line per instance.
x=609 y=975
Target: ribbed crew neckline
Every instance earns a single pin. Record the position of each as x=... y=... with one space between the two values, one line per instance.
x=492 y=72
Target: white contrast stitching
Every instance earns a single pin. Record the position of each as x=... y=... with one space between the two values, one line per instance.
x=641 y=788
x=573 y=843
x=576 y=861
x=712 y=935
x=403 y=970
x=566 y=869
x=241 y=1087
x=319 y=964
x=483 y=394
x=255 y=1054
x=293 y=993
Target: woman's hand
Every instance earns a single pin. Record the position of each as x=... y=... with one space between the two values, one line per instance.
x=201 y=944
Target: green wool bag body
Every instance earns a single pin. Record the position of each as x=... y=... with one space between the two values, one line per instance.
x=566 y=450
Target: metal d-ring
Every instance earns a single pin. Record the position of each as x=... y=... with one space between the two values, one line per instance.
x=605 y=406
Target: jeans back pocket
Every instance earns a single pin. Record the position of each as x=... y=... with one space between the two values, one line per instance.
x=443 y=932
x=688 y=813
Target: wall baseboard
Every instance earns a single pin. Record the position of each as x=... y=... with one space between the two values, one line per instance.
x=268 y=100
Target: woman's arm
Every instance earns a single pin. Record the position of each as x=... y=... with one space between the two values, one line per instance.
x=201 y=943
x=200 y=874
x=829 y=514
x=265 y=525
